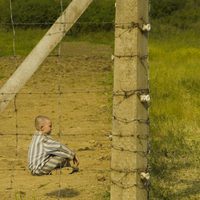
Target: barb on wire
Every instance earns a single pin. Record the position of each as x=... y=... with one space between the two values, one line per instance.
x=128 y=171
x=138 y=136
x=142 y=94
x=129 y=93
x=132 y=56
x=142 y=59
x=16 y=124
x=121 y=185
x=127 y=121
x=144 y=28
x=4 y=101
x=142 y=153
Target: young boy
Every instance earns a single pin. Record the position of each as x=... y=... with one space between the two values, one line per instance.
x=46 y=154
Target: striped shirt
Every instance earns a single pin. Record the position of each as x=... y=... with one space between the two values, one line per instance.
x=42 y=148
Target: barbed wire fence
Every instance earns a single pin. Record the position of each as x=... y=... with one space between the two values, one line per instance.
x=60 y=94
x=57 y=95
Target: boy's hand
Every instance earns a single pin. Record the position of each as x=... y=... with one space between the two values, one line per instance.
x=75 y=167
x=75 y=161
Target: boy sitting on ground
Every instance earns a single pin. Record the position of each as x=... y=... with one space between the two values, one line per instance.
x=46 y=154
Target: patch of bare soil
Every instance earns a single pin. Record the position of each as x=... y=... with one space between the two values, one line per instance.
x=74 y=90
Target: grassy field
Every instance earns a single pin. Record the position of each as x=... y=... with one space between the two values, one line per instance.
x=174 y=111
x=174 y=114
x=26 y=39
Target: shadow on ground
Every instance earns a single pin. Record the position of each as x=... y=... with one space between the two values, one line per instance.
x=63 y=193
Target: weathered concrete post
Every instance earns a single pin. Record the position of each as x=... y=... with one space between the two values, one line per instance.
x=129 y=177
x=50 y=40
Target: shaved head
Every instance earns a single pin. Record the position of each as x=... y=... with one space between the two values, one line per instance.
x=40 y=120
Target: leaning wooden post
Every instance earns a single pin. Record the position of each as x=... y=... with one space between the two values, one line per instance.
x=129 y=173
x=50 y=40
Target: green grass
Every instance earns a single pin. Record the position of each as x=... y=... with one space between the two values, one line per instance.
x=175 y=81
x=25 y=40
x=96 y=38
x=174 y=115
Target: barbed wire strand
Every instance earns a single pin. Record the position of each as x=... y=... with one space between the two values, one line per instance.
x=16 y=125
x=11 y=180
x=139 y=26
x=86 y=170
x=59 y=96
x=13 y=28
x=122 y=25
x=61 y=11
x=132 y=25
x=15 y=108
x=63 y=135
x=87 y=91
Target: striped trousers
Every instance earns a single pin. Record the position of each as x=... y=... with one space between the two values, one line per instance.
x=55 y=162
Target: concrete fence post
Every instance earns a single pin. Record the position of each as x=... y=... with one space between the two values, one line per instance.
x=129 y=173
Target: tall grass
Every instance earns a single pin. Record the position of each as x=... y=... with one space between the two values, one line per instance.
x=175 y=80
x=174 y=114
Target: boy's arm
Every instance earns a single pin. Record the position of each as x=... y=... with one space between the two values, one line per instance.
x=56 y=148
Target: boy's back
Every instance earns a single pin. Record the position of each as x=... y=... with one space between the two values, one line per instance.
x=37 y=156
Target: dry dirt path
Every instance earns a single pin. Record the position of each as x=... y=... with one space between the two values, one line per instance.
x=75 y=91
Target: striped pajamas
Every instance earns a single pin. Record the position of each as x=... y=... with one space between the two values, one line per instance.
x=46 y=154
x=55 y=162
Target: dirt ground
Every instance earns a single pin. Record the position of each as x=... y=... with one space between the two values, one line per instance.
x=75 y=91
